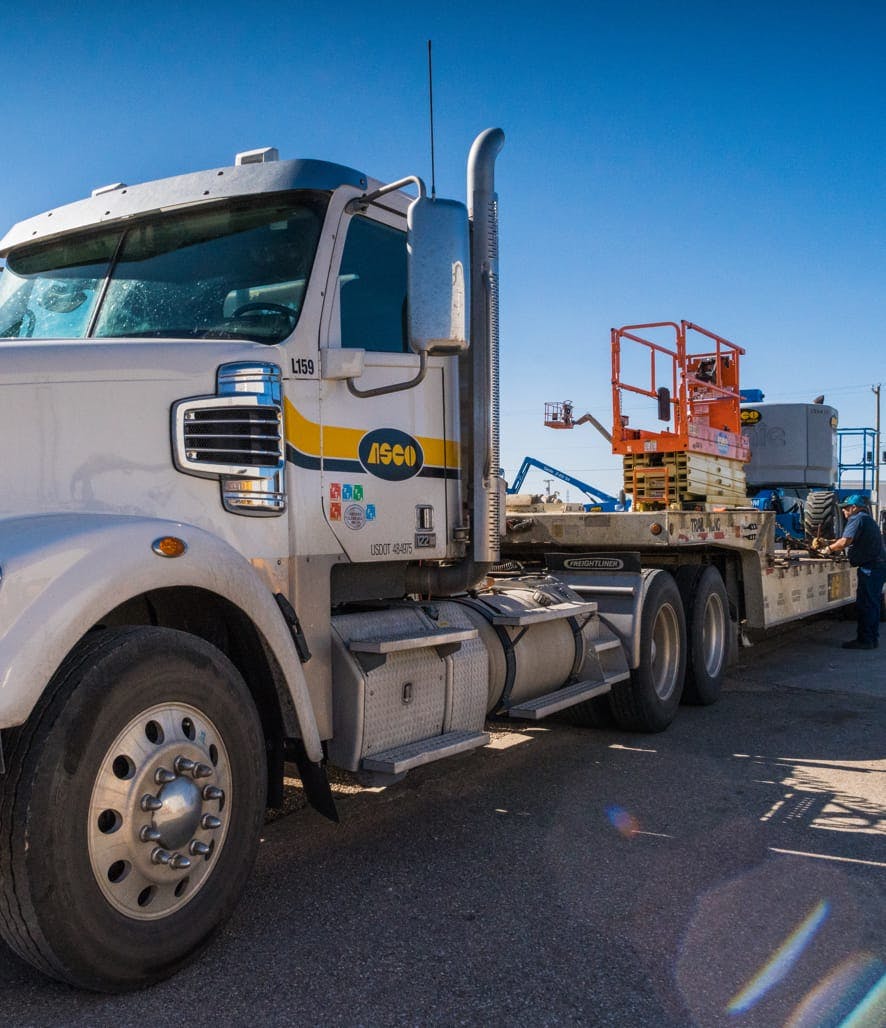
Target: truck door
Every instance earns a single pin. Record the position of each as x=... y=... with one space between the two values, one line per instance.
x=386 y=461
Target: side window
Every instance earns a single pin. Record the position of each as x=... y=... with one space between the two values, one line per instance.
x=372 y=288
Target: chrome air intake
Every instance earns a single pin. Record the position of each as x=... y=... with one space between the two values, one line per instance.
x=236 y=435
x=480 y=400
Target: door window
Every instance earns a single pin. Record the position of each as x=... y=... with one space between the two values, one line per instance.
x=372 y=288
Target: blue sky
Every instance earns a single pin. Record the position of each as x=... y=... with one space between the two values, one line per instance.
x=718 y=162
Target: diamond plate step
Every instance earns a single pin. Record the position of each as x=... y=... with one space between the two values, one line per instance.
x=542 y=706
x=414 y=754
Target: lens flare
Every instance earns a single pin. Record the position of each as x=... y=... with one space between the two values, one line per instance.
x=853 y=995
x=781 y=962
x=623 y=821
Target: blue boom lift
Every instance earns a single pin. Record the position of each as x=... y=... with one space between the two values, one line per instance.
x=599 y=501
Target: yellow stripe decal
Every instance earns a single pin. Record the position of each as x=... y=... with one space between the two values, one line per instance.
x=338 y=443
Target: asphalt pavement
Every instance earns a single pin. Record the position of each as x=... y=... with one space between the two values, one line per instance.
x=729 y=871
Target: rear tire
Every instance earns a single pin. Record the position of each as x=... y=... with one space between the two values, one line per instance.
x=593 y=713
x=649 y=701
x=706 y=607
x=113 y=875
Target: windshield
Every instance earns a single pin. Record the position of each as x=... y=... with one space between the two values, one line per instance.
x=51 y=294
x=237 y=271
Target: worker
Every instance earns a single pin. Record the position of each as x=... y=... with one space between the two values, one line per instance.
x=867 y=552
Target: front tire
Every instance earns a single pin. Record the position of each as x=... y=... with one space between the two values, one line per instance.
x=649 y=701
x=132 y=808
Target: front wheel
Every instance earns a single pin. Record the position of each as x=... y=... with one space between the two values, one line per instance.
x=131 y=810
x=649 y=701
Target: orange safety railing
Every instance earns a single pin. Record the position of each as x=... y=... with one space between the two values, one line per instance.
x=701 y=397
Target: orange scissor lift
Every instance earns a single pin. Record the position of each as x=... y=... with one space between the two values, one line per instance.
x=698 y=458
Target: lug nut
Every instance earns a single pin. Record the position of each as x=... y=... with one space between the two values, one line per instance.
x=212 y=792
x=150 y=802
x=179 y=862
x=202 y=771
x=182 y=765
x=160 y=856
x=210 y=821
x=162 y=776
x=198 y=849
x=149 y=833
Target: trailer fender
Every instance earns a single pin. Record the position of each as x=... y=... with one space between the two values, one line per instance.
x=619 y=597
x=61 y=573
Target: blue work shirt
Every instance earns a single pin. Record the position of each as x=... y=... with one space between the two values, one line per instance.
x=865 y=541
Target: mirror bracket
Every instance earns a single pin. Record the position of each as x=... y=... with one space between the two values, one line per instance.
x=360 y=203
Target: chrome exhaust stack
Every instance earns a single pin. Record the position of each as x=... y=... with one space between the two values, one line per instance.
x=480 y=377
x=482 y=485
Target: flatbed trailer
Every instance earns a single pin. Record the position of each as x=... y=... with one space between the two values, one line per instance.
x=765 y=586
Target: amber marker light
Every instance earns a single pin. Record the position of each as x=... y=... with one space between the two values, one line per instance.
x=169 y=546
x=655 y=528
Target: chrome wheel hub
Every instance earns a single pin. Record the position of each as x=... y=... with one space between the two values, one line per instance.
x=665 y=652
x=159 y=811
x=178 y=818
x=714 y=642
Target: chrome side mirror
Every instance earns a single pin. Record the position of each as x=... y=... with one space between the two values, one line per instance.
x=438 y=273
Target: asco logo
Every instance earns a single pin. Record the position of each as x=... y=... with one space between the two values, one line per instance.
x=391 y=454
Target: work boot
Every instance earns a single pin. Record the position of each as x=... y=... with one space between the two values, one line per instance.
x=857 y=644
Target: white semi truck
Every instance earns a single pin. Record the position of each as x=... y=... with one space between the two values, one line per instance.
x=250 y=508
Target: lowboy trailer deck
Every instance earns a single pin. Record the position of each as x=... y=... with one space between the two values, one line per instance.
x=765 y=586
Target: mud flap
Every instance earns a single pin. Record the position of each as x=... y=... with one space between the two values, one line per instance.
x=314 y=779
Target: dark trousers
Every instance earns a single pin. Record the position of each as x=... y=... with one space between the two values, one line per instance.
x=867 y=602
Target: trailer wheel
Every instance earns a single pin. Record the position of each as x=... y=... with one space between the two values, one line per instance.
x=131 y=810
x=649 y=701
x=707 y=632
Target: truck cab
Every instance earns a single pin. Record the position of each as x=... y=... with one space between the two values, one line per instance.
x=227 y=349
x=270 y=263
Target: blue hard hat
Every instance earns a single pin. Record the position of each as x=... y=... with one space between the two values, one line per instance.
x=855 y=500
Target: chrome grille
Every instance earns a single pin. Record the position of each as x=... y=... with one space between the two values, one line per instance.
x=233 y=435
x=237 y=436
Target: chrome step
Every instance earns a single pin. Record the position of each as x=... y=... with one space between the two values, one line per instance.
x=601 y=645
x=412 y=641
x=404 y=758
x=534 y=615
x=543 y=706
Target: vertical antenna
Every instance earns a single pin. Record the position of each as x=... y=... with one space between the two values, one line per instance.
x=431 y=107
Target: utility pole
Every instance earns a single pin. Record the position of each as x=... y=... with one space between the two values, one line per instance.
x=877 y=454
